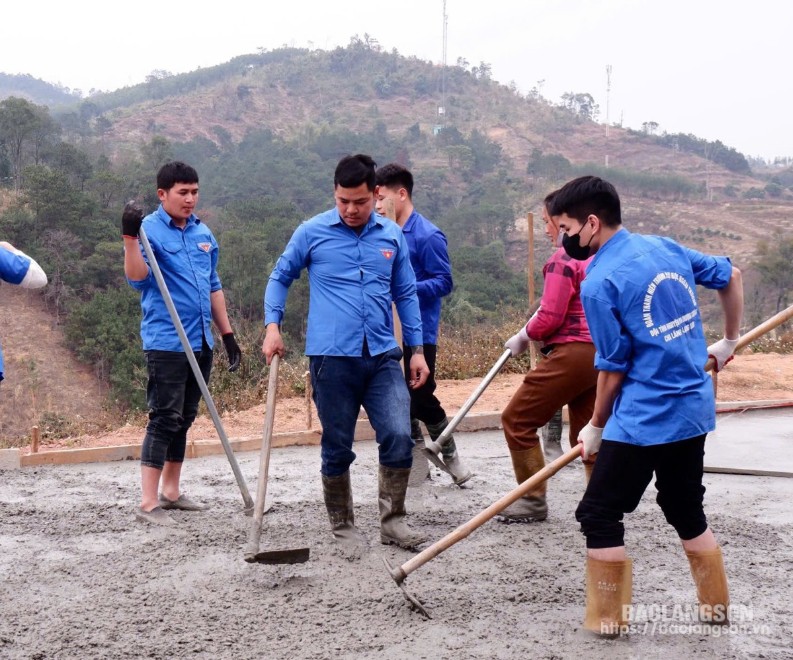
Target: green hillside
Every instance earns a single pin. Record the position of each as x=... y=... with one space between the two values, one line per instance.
x=265 y=131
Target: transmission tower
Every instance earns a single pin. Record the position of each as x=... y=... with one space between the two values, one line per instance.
x=608 y=103
x=442 y=107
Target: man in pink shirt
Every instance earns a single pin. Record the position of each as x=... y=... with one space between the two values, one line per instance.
x=566 y=376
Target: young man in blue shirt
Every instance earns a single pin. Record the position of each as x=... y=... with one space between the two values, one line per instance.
x=655 y=402
x=187 y=254
x=429 y=257
x=358 y=263
x=18 y=268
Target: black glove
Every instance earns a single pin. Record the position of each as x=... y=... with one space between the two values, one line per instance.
x=233 y=351
x=131 y=219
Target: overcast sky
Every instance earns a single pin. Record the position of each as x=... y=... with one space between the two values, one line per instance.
x=719 y=69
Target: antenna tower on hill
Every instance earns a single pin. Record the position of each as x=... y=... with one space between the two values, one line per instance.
x=608 y=100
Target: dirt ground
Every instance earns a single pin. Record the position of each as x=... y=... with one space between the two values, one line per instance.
x=749 y=377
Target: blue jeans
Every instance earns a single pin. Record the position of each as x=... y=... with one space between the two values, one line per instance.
x=341 y=386
x=173 y=395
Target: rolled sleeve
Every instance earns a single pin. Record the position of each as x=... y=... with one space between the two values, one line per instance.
x=613 y=344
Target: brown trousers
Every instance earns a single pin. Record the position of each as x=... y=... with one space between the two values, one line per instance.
x=566 y=375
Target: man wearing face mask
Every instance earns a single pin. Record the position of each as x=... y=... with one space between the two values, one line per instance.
x=655 y=402
x=566 y=376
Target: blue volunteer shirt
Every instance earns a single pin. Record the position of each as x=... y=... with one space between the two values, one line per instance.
x=429 y=257
x=188 y=260
x=640 y=300
x=13 y=268
x=353 y=279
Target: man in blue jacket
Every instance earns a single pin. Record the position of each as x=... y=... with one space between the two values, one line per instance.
x=429 y=257
x=187 y=254
x=358 y=263
x=655 y=402
x=18 y=268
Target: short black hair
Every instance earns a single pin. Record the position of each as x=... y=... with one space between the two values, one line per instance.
x=175 y=172
x=352 y=171
x=395 y=175
x=588 y=195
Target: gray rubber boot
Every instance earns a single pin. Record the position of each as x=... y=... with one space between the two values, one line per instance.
x=450 y=455
x=552 y=437
x=420 y=472
x=338 y=502
x=532 y=507
x=393 y=483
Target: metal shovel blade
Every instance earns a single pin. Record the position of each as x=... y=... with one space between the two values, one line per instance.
x=291 y=556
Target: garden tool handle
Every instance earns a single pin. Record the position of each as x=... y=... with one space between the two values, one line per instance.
x=755 y=333
x=401 y=572
x=177 y=322
x=447 y=432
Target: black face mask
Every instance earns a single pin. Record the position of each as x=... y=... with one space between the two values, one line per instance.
x=572 y=246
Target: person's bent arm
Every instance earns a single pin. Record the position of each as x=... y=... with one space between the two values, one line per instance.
x=608 y=387
x=731 y=298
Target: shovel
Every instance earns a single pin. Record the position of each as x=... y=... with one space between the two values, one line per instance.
x=433 y=447
x=399 y=573
x=177 y=322
x=252 y=553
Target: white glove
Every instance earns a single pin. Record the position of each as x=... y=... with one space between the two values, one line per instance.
x=591 y=437
x=722 y=352
x=518 y=343
x=534 y=316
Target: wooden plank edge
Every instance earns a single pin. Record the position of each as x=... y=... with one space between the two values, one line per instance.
x=747 y=471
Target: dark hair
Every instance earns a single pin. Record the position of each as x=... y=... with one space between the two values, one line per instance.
x=175 y=172
x=588 y=195
x=352 y=171
x=548 y=201
x=394 y=175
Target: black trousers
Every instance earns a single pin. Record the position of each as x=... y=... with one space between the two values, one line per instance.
x=621 y=475
x=424 y=405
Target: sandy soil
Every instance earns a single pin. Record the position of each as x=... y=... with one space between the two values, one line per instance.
x=79 y=578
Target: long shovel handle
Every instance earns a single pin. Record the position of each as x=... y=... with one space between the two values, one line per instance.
x=401 y=572
x=766 y=326
x=255 y=534
x=177 y=322
x=444 y=436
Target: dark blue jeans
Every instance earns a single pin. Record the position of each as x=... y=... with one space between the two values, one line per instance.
x=341 y=386
x=173 y=395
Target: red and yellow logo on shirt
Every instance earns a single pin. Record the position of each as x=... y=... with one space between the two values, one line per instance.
x=206 y=247
x=387 y=253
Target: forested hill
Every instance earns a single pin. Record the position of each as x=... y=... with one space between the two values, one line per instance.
x=265 y=131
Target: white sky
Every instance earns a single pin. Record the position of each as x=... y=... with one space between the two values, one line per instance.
x=719 y=69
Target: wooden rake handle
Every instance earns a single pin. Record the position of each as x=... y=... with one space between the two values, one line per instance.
x=401 y=572
x=755 y=333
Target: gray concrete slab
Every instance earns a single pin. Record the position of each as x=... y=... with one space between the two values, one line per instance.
x=759 y=440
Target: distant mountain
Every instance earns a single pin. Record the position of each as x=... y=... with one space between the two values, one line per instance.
x=35 y=90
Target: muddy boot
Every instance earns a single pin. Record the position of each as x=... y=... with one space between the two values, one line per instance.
x=393 y=483
x=449 y=454
x=531 y=507
x=707 y=569
x=609 y=587
x=338 y=502
x=420 y=472
x=552 y=437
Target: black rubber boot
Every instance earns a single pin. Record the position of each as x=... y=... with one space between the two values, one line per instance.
x=552 y=437
x=420 y=471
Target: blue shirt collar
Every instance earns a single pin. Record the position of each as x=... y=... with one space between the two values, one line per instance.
x=168 y=220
